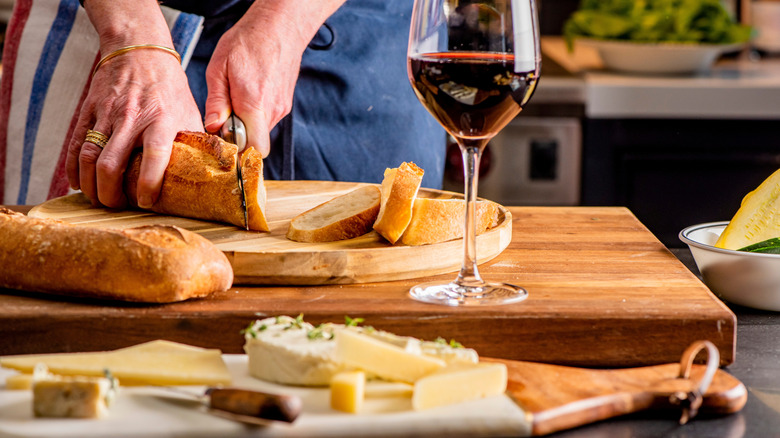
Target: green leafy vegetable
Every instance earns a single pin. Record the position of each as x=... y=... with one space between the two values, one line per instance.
x=683 y=21
x=769 y=246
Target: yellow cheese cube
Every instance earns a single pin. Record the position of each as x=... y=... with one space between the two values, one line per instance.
x=347 y=391
x=459 y=383
x=19 y=381
x=383 y=359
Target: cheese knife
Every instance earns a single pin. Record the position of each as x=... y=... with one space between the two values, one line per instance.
x=234 y=131
x=245 y=406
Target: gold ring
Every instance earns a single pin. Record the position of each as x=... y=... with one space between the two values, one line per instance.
x=97 y=138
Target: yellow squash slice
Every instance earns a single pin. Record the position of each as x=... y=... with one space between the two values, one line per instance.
x=757 y=219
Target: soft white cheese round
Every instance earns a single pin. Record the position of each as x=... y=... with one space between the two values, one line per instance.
x=293 y=352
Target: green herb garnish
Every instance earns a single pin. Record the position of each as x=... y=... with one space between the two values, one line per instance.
x=352 y=322
x=296 y=323
x=252 y=331
x=452 y=343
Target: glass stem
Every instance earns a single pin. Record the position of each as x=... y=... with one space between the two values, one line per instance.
x=469 y=275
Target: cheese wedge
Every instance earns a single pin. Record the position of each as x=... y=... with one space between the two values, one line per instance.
x=382 y=359
x=459 y=383
x=153 y=363
x=21 y=381
x=347 y=391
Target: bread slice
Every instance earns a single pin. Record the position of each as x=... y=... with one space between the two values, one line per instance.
x=440 y=220
x=201 y=181
x=254 y=188
x=399 y=190
x=343 y=217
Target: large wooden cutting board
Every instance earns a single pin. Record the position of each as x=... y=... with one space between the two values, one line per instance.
x=271 y=258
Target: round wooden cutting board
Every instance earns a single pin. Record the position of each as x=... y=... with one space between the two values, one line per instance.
x=270 y=258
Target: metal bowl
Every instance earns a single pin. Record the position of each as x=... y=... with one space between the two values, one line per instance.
x=744 y=278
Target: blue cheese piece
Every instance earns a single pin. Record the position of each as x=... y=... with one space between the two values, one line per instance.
x=291 y=351
x=71 y=396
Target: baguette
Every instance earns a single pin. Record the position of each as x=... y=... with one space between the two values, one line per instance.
x=154 y=264
x=201 y=182
x=399 y=190
x=343 y=217
x=440 y=220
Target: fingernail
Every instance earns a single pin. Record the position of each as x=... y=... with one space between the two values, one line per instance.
x=145 y=201
x=211 y=119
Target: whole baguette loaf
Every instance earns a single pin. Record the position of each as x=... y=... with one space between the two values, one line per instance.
x=440 y=220
x=399 y=190
x=154 y=264
x=343 y=217
x=201 y=181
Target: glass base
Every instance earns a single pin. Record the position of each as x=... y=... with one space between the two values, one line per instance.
x=454 y=294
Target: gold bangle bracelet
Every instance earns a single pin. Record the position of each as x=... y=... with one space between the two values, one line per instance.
x=123 y=50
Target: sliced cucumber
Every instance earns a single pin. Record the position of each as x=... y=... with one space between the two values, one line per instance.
x=769 y=246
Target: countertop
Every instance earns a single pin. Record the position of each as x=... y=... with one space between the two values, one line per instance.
x=738 y=87
x=757 y=360
x=757 y=365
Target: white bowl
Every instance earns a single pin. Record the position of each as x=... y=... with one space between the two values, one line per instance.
x=658 y=58
x=745 y=278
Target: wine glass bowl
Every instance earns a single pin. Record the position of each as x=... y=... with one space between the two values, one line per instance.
x=473 y=65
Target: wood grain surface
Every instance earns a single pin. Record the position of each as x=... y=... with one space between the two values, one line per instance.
x=271 y=258
x=603 y=292
x=558 y=398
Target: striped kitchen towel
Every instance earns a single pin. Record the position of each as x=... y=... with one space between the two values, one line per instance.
x=50 y=51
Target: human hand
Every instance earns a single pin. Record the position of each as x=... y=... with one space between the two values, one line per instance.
x=255 y=65
x=138 y=99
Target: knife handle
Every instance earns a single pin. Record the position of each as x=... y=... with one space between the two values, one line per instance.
x=255 y=404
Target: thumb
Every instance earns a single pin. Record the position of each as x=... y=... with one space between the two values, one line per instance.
x=257 y=133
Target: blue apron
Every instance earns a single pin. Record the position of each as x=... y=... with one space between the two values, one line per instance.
x=354 y=112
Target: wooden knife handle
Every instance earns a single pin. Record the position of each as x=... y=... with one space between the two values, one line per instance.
x=256 y=404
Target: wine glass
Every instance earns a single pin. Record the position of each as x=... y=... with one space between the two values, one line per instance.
x=474 y=65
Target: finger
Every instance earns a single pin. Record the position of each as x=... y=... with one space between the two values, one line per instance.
x=218 y=100
x=158 y=142
x=87 y=159
x=85 y=122
x=257 y=133
x=111 y=165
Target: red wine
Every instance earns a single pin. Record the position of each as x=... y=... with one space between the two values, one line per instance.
x=473 y=95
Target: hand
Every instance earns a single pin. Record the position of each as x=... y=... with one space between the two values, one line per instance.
x=140 y=98
x=255 y=65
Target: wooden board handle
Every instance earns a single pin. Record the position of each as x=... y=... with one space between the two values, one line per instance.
x=559 y=397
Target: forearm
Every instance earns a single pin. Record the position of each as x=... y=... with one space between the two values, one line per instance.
x=297 y=20
x=121 y=23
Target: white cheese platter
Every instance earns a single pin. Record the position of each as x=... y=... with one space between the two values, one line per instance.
x=153 y=412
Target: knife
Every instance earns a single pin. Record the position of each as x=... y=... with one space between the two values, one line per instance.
x=243 y=405
x=234 y=131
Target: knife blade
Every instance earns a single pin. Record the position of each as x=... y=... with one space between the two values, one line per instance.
x=243 y=405
x=234 y=131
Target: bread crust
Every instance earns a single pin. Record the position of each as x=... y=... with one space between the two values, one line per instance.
x=153 y=264
x=399 y=190
x=440 y=220
x=201 y=182
x=254 y=188
x=344 y=217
